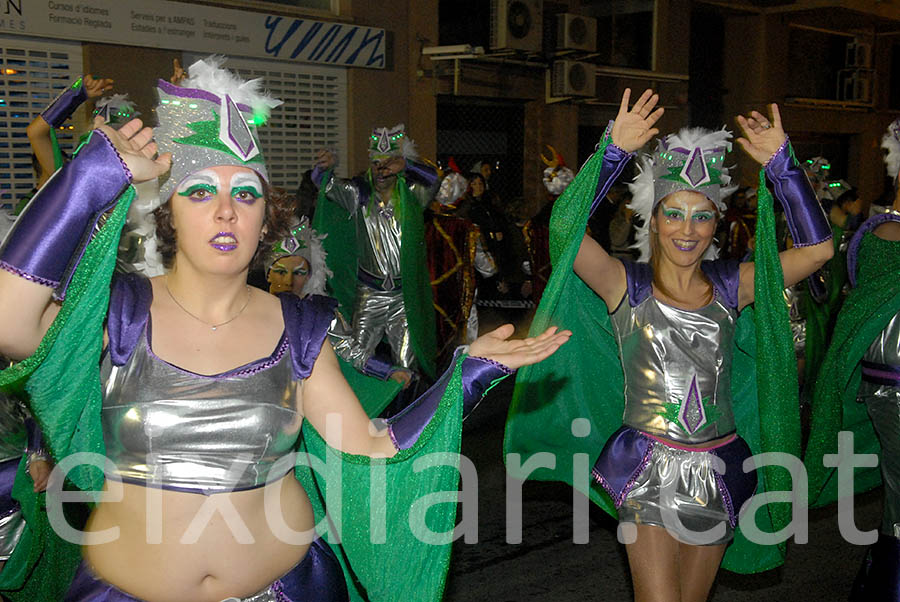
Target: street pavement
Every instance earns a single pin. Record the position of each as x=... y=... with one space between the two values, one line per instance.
x=548 y=566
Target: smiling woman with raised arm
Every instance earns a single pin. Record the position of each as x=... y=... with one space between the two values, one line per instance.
x=206 y=386
x=672 y=471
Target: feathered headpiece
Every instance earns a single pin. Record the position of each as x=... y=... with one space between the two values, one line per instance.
x=557 y=176
x=693 y=159
x=116 y=110
x=386 y=143
x=210 y=120
x=891 y=143
x=305 y=242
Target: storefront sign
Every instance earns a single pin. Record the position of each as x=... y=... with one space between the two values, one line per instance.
x=194 y=28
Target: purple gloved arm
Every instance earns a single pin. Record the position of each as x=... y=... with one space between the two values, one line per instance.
x=614 y=161
x=806 y=219
x=479 y=375
x=48 y=239
x=318 y=175
x=421 y=173
x=65 y=104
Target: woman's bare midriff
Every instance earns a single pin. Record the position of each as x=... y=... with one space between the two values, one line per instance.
x=163 y=556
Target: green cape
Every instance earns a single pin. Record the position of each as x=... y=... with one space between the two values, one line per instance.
x=62 y=379
x=342 y=259
x=549 y=395
x=866 y=311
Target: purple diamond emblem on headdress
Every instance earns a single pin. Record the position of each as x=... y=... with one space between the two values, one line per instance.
x=234 y=131
x=384 y=142
x=692 y=416
x=291 y=244
x=694 y=171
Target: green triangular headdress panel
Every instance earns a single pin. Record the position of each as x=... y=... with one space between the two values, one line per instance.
x=210 y=120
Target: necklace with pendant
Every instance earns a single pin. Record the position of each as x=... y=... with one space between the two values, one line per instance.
x=212 y=326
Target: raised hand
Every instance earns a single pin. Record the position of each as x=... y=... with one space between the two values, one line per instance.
x=96 y=87
x=515 y=353
x=135 y=145
x=634 y=127
x=325 y=159
x=178 y=74
x=762 y=136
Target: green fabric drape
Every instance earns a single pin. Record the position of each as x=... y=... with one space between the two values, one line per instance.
x=414 y=494
x=865 y=313
x=583 y=380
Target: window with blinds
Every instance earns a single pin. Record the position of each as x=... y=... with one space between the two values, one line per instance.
x=32 y=73
x=313 y=116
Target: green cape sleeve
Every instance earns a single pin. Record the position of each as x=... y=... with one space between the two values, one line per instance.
x=866 y=311
x=395 y=517
x=62 y=380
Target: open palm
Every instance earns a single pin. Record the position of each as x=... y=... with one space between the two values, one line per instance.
x=515 y=353
x=634 y=127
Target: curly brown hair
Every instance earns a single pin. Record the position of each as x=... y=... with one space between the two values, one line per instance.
x=276 y=225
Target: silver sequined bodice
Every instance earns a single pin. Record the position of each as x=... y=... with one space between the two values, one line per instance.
x=169 y=427
x=677 y=366
x=886 y=348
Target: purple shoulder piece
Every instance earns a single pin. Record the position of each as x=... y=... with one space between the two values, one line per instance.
x=725 y=277
x=639 y=279
x=421 y=173
x=129 y=308
x=853 y=249
x=306 y=323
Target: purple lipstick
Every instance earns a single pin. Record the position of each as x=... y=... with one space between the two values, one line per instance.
x=224 y=241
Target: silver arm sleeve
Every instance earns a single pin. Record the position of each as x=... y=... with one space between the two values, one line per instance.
x=343 y=192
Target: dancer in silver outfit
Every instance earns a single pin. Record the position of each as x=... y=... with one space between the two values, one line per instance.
x=373 y=201
x=674 y=317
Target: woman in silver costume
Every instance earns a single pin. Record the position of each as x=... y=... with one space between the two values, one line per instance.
x=193 y=419
x=673 y=318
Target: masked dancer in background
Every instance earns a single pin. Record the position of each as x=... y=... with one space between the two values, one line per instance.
x=863 y=365
x=382 y=249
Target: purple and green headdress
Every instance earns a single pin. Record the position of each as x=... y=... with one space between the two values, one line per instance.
x=386 y=143
x=307 y=243
x=891 y=143
x=693 y=159
x=116 y=110
x=210 y=120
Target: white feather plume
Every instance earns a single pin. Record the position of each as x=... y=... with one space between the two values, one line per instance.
x=209 y=74
x=892 y=160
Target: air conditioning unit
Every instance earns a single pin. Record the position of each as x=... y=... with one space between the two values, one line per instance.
x=516 y=25
x=575 y=32
x=859 y=54
x=573 y=78
x=855 y=85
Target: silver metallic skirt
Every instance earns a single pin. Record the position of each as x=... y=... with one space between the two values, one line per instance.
x=679 y=491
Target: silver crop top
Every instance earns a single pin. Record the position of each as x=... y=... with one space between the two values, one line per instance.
x=165 y=426
x=677 y=366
